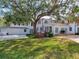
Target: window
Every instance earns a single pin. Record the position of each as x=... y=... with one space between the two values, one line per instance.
x=31 y=31
x=70 y=28
x=25 y=30
x=37 y=29
x=46 y=21
x=39 y=22
x=46 y=29
x=56 y=30
x=77 y=30
x=19 y=24
x=23 y=24
x=14 y=23
x=50 y=29
x=41 y=29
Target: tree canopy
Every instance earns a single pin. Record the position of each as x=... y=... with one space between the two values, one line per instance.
x=29 y=10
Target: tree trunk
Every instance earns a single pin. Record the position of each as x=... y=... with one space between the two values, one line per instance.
x=34 y=27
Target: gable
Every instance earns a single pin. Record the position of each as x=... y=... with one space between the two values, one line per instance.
x=46 y=20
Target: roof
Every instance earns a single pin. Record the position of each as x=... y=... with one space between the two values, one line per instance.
x=47 y=17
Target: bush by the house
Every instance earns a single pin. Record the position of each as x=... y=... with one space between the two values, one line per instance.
x=62 y=31
x=76 y=33
x=48 y=34
x=31 y=35
x=40 y=35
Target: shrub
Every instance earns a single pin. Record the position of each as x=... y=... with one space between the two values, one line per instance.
x=76 y=33
x=48 y=34
x=32 y=35
x=62 y=31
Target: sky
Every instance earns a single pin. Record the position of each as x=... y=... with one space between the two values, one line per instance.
x=3 y=11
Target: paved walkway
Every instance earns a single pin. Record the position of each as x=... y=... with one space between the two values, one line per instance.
x=71 y=37
x=74 y=38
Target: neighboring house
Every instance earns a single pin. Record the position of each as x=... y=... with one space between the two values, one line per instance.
x=45 y=24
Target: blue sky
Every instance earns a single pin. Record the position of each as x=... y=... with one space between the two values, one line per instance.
x=3 y=10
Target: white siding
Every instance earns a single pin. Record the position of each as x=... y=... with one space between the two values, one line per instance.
x=73 y=26
x=15 y=31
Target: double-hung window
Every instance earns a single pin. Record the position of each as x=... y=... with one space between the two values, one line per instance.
x=56 y=30
x=70 y=28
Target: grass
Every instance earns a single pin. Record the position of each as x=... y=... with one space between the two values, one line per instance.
x=50 y=48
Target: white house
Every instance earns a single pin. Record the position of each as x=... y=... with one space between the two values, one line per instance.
x=45 y=24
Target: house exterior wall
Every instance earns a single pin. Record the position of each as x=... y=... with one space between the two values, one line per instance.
x=14 y=31
x=73 y=26
x=77 y=29
x=43 y=23
x=54 y=25
x=42 y=26
x=59 y=27
x=21 y=30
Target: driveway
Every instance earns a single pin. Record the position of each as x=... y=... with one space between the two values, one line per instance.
x=71 y=37
x=74 y=38
x=10 y=37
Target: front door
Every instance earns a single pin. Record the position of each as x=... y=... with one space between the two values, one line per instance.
x=48 y=29
x=63 y=30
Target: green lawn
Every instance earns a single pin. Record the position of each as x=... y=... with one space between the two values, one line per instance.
x=51 y=48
